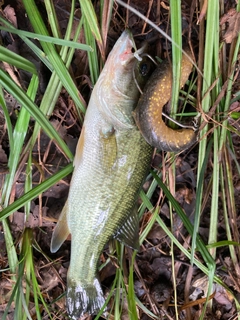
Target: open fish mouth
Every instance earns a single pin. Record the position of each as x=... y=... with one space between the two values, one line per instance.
x=127 y=48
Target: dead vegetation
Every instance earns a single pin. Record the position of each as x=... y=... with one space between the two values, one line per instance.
x=161 y=291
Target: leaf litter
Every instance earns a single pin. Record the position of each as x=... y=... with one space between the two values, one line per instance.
x=153 y=266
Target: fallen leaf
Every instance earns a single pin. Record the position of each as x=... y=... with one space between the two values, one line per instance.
x=10 y=15
x=3 y=157
x=232 y=17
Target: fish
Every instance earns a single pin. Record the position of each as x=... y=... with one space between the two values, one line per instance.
x=148 y=113
x=111 y=163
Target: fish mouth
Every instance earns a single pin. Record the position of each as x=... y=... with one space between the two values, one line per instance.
x=128 y=50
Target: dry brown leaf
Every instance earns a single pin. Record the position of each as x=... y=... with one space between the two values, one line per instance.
x=3 y=156
x=232 y=17
x=10 y=15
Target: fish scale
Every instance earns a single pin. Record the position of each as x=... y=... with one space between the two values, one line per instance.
x=109 y=208
x=111 y=162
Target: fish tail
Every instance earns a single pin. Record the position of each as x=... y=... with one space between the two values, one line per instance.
x=84 y=298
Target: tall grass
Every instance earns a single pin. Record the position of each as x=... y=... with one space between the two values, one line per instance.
x=215 y=146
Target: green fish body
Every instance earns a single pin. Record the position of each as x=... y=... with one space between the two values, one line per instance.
x=111 y=163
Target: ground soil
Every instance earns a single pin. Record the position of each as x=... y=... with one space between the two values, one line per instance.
x=153 y=268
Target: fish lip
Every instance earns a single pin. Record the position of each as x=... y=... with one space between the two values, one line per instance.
x=126 y=44
x=127 y=48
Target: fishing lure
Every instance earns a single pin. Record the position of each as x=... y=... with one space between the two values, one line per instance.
x=148 y=114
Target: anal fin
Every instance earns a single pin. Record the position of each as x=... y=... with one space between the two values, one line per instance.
x=61 y=230
x=128 y=233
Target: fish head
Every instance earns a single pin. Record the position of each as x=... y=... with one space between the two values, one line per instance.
x=118 y=85
x=128 y=70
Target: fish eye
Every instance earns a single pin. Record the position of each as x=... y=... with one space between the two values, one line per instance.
x=145 y=68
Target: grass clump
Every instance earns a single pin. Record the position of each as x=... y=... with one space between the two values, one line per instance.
x=199 y=241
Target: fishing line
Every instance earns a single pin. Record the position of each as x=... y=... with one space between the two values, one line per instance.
x=140 y=15
x=139 y=58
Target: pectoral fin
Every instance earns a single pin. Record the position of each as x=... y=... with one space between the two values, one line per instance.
x=109 y=149
x=128 y=233
x=61 y=230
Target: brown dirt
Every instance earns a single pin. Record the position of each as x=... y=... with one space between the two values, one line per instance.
x=153 y=268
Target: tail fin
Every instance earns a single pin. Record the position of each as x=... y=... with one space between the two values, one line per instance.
x=83 y=299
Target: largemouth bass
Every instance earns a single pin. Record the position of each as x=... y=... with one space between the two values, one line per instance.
x=148 y=114
x=112 y=159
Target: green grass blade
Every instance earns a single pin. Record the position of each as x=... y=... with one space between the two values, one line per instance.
x=7 y=118
x=132 y=309
x=145 y=197
x=52 y=18
x=151 y=222
x=19 y=135
x=145 y=310
x=28 y=185
x=28 y=104
x=200 y=244
x=51 y=53
x=69 y=30
x=17 y=143
x=213 y=227
x=227 y=101
x=89 y=12
x=223 y=243
x=11 y=252
x=211 y=32
x=226 y=218
x=14 y=292
x=176 y=33
x=38 y=297
x=92 y=56
x=15 y=60
x=39 y=53
x=199 y=197
x=47 y=40
x=48 y=183
x=54 y=86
